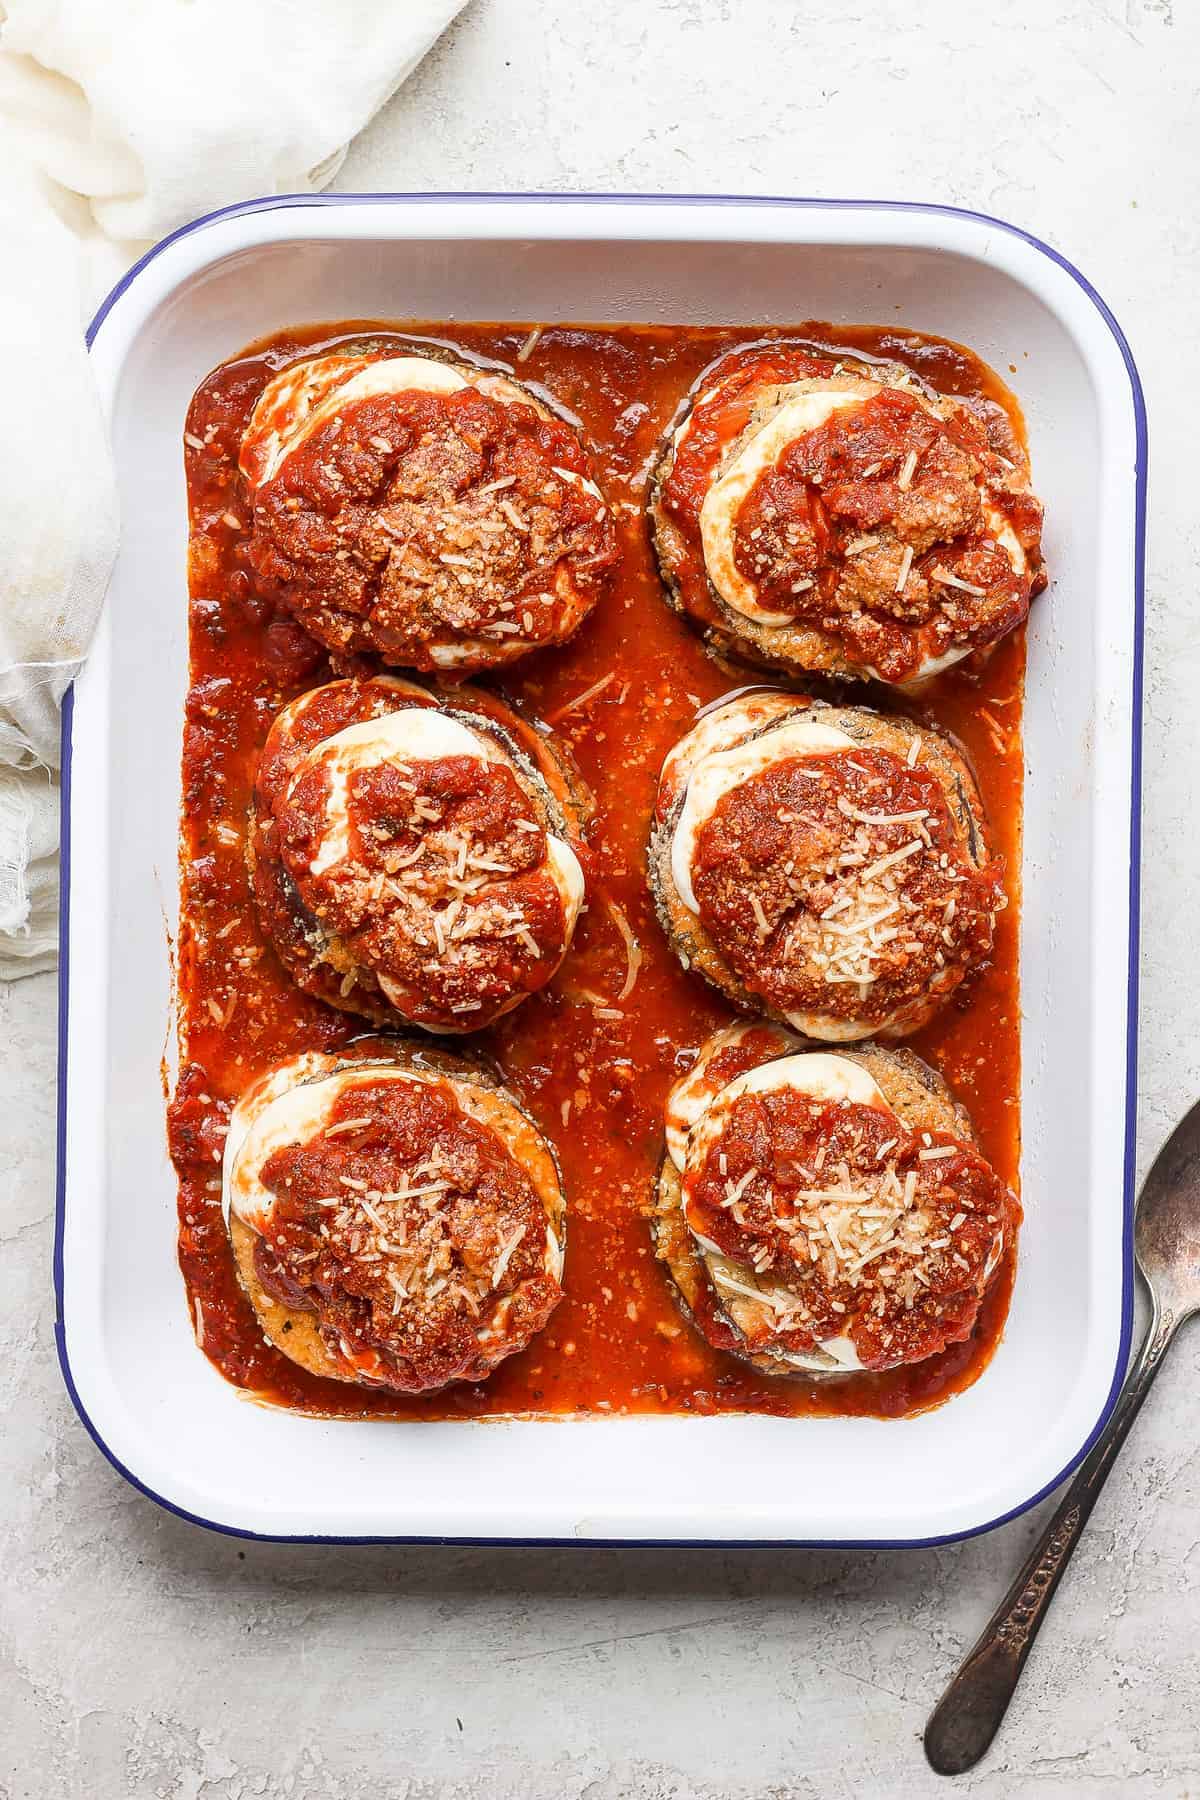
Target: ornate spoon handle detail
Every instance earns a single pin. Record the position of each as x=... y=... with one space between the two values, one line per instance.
x=967 y=1717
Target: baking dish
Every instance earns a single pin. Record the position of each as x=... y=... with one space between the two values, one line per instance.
x=153 y=1403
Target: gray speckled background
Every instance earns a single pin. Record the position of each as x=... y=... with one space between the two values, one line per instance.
x=142 y=1657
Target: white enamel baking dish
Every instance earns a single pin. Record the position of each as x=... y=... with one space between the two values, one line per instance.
x=151 y=1400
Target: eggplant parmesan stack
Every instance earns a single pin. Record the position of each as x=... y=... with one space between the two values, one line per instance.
x=425 y=510
x=396 y=1219
x=825 y=865
x=825 y=1213
x=827 y=515
x=413 y=856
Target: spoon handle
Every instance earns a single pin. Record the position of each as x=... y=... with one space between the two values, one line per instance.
x=968 y=1715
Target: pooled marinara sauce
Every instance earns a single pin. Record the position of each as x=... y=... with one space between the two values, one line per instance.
x=592 y=1055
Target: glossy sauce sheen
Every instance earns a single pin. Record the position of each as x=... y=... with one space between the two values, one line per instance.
x=592 y=1070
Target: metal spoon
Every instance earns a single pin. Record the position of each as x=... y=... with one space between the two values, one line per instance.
x=1167 y=1245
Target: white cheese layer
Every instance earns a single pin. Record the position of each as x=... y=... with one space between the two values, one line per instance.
x=394 y=691
x=816 y=1072
x=306 y=396
x=718 y=774
x=709 y=762
x=241 y=1192
x=293 y=1117
x=302 y=398
x=410 y=737
x=413 y=735
x=567 y=876
x=810 y=405
x=724 y=724
x=691 y=1097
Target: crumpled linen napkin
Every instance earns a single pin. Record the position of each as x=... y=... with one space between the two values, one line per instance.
x=118 y=124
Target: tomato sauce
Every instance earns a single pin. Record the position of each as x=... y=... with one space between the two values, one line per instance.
x=592 y=1068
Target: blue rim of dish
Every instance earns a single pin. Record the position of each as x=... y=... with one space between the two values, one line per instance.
x=1140 y=473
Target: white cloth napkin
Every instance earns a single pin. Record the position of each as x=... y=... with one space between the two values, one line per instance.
x=117 y=124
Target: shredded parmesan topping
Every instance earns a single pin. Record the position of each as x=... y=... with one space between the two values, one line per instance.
x=945 y=579
x=418 y=1238
x=581 y=700
x=530 y=345
x=633 y=954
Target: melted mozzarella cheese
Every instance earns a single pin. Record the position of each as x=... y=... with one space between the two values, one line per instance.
x=840 y=1350
x=567 y=876
x=289 y=1106
x=260 y=1095
x=303 y=398
x=287 y=399
x=928 y=667
x=697 y=1117
x=808 y=407
x=739 y=1288
x=690 y=1098
x=1006 y=537
x=397 y=691
x=411 y=737
x=722 y=726
x=719 y=773
x=816 y=1072
x=469 y=652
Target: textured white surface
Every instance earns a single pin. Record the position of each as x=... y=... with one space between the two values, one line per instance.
x=142 y=1657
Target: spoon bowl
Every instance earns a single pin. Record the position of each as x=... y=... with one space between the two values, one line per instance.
x=1167 y=1225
